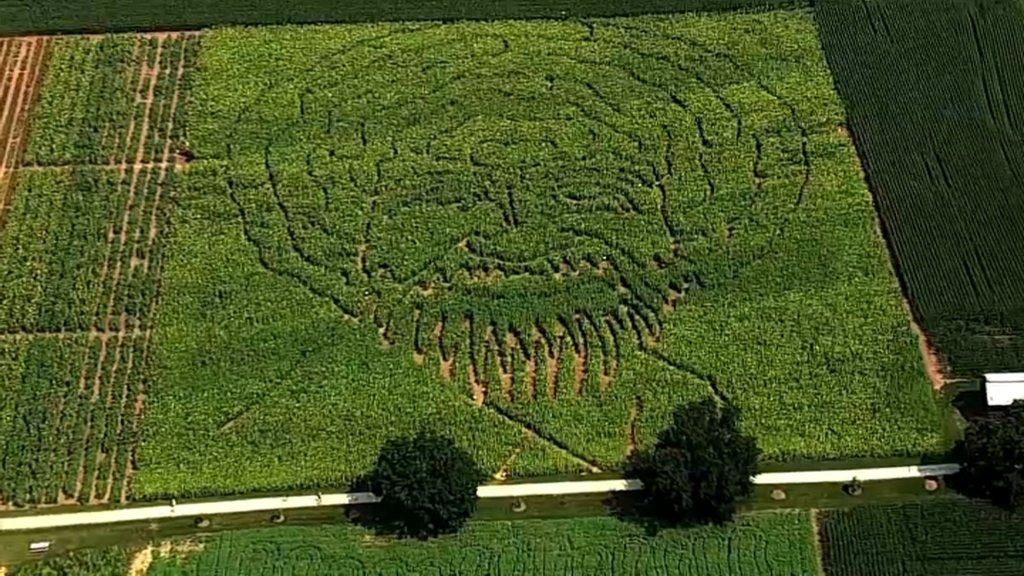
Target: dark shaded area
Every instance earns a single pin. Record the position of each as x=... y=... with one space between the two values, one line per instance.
x=991 y=456
x=934 y=91
x=697 y=472
x=427 y=486
x=55 y=16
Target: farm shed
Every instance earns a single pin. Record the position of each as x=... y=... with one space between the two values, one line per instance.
x=1002 y=389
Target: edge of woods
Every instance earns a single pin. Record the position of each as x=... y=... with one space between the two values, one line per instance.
x=19 y=17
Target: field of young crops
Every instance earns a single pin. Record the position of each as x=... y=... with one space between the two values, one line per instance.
x=538 y=236
x=80 y=255
x=953 y=537
x=770 y=544
x=935 y=94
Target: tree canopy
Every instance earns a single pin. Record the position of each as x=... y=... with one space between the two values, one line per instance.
x=699 y=468
x=427 y=486
x=991 y=456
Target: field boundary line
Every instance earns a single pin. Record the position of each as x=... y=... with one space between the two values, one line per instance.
x=273 y=503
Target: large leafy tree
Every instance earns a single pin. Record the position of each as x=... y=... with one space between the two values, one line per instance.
x=427 y=486
x=991 y=456
x=699 y=468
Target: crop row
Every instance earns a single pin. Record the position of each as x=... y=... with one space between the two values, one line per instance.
x=109 y=101
x=53 y=16
x=80 y=253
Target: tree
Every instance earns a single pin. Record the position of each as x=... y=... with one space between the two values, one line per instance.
x=991 y=457
x=427 y=486
x=699 y=468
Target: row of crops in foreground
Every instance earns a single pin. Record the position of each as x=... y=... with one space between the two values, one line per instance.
x=538 y=236
x=937 y=538
x=51 y=16
x=772 y=544
x=935 y=95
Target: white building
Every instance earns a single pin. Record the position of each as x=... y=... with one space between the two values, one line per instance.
x=1002 y=389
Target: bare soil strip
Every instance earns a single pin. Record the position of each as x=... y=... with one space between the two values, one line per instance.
x=816 y=537
x=932 y=365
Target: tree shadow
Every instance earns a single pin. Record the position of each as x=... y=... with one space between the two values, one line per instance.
x=368 y=516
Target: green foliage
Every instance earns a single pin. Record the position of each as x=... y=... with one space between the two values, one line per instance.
x=991 y=456
x=699 y=469
x=113 y=561
x=387 y=224
x=773 y=544
x=427 y=486
x=52 y=247
x=49 y=16
x=85 y=103
x=942 y=536
x=35 y=377
x=935 y=93
x=94 y=97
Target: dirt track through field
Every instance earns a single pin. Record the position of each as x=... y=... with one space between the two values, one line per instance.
x=21 y=63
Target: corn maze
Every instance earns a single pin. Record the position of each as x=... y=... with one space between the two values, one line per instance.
x=518 y=245
x=509 y=231
x=80 y=256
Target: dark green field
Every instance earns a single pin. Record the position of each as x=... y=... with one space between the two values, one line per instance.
x=935 y=96
x=52 y=16
x=940 y=538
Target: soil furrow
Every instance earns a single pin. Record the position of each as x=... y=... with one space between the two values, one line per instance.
x=13 y=106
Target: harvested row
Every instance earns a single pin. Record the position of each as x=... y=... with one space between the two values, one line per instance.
x=21 y=64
